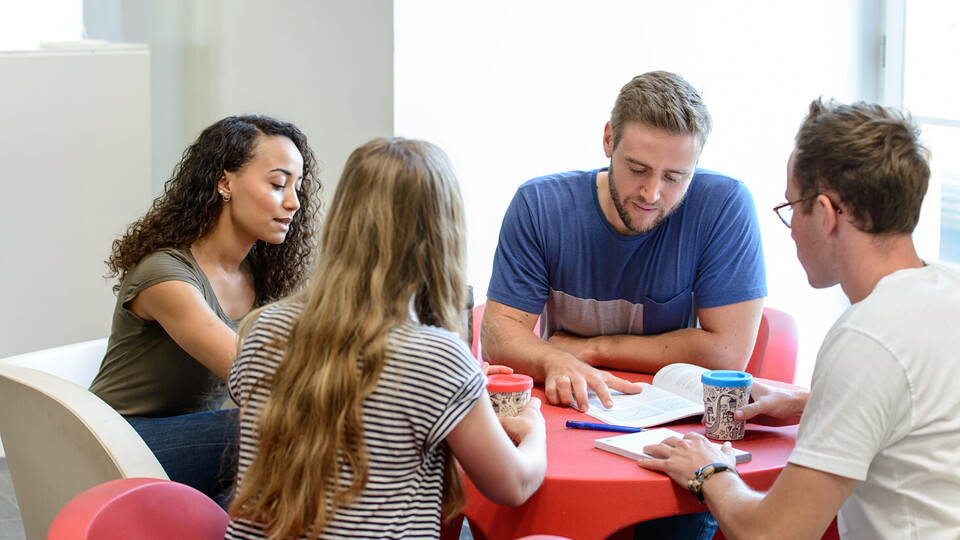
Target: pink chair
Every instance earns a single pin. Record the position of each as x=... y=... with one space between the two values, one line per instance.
x=142 y=508
x=477 y=319
x=775 y=353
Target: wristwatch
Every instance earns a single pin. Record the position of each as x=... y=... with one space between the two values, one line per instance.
x=703 y=474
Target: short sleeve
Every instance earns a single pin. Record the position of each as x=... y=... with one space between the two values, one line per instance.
x=157 y=267
x=856 y=406
x=519 y=278
x=731 y=269
x=459 y=384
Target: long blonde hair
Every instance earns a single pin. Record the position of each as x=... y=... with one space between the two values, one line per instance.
x=395 y=232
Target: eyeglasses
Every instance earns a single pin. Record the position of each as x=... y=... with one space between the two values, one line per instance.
x=785 y=211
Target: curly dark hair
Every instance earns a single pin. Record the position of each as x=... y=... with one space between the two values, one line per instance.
x=190 y=206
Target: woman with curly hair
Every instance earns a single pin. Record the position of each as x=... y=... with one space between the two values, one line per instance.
x=356 y=392
x=232 y=231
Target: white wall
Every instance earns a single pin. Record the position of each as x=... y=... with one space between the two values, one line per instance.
x=326 y=66
x=79 y=160
x=76 y=139
x=75 y=149
x=513 y=90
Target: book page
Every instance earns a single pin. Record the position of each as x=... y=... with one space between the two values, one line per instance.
x=682 y=380
x=648 y=408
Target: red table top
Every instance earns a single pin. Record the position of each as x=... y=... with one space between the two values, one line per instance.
x=590 y=493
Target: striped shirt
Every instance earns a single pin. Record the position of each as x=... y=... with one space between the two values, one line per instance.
x=428 y=384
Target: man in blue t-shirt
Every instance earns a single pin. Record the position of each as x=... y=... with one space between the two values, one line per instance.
x=645 y=263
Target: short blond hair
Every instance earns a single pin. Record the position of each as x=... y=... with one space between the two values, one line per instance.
x=661 y=100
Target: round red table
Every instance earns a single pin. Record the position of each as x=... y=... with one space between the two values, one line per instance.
x=591 y=494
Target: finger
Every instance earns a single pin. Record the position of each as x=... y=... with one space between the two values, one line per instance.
x=654 y=464
x=746 y=412
x=534 y=403
x=659 y=451
x=727 y=448
x=670 y=441
x=550 y=390
x=622 y=385
x=564 y=390
x=582 y=393
x=603 y=392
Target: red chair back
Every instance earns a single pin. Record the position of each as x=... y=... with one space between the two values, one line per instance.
x=142 y=508
x=477 y=319
x=775 y=352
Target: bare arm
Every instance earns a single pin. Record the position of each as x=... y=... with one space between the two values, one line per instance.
x=184 y=314
x=724 y=340
x=801 y=503
x=508 y=338
x=504 y=473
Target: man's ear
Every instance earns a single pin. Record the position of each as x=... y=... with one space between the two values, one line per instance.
x=608 y=140
x=830 y=215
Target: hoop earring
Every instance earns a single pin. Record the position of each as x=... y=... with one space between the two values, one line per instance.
x=226 y=198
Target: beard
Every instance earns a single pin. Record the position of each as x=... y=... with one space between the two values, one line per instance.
x=628 y=221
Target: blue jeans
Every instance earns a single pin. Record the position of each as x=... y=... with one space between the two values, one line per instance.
x=700 y=526
x=199 y=450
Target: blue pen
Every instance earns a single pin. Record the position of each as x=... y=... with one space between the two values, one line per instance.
x=603 y=427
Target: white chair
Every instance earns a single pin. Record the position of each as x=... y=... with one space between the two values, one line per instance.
x=60 y=439
x=77 y=362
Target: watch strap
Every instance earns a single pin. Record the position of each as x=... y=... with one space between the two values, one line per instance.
x=703 y=474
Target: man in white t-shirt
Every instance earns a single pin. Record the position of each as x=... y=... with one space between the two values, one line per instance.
x=879 y=434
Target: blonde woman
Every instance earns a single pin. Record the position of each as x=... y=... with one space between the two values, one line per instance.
x=355 y=392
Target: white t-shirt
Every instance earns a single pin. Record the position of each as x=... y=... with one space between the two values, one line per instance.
x=884 y=408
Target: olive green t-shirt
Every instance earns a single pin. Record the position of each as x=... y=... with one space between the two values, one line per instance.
x=145 y=373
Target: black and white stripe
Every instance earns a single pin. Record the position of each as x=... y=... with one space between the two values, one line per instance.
x=430 y=381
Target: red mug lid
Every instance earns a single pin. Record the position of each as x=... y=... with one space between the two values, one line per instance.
x=512 y=382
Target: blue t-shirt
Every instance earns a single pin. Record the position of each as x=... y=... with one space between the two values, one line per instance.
x=559 y=256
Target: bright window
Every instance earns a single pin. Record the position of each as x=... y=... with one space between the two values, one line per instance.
x=25 y=24
x=931 y=47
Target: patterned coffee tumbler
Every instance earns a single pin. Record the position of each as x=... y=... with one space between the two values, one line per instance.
x=509 y=393
x=724 y=391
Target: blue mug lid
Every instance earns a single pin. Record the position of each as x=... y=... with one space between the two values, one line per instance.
x=727 y=378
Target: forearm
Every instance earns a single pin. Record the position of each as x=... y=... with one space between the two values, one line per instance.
x=647 y=354
x=531 y=467
x=736 y=507
x=507 y=342
x=801 y=504
x=504 y=471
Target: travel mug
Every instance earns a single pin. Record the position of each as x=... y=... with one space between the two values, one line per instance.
x=724 y=391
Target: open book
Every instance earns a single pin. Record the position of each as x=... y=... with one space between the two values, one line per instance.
x=631 y=445
x=676 y=393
